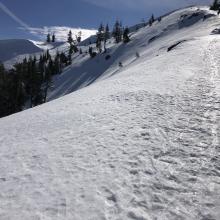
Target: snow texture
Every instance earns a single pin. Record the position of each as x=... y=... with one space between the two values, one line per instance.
x=142 y=144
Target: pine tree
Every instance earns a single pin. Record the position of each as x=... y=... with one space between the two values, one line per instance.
x=100 y=37
x=215 y=6
x=106 y=36
x=79 y=37
x=53 y=38
x=90 y=51
x=70 y=37
x=48 y=38
x=63 y=59
x=57 y=64
x=152 y=18
x=126 y=38
x=107 y=33
x=3 y=92
x=70 y=55
x=47 y=55
x=2 y=73
x=47 y=82
x=117 y=32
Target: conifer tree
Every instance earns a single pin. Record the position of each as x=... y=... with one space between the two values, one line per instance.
x=4 y=97
x=100 y=37
x=79 y=37
x=106 y=36
x=70 y=55
x=48 y=38
x=63 y=59
x=57 y=64
x=117 y=32
x=215 y=6
x=47 y=80
x=47 y=55
x=53 y=38
x=107 y=33
x=70 y=37
x=126 y=38
x=152 y=18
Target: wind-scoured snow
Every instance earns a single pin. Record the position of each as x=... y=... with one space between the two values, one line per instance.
x=142 y=144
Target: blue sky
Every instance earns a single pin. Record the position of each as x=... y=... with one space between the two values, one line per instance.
x=78 y=13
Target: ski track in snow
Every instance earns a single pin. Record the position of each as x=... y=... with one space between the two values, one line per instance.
x=134 y=155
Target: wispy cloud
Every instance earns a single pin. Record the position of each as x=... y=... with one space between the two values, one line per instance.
x=60 y=31
x=13 y=16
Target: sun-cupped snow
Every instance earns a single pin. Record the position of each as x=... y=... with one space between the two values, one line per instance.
x=142 y=144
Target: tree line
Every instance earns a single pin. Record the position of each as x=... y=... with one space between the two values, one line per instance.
x=215 y=6
x=27 y=84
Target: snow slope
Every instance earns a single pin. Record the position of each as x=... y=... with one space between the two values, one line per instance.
x=11 y=48
x=141 y=144
x=149 y=42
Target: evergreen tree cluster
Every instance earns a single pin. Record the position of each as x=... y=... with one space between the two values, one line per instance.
x=27 y=84
x=51 y=38
x=102 y=36
x=119 y=33
x=215 y=6
x=151 y=20
x=72 y=45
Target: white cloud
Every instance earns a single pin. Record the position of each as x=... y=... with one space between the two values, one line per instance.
x=60 y=31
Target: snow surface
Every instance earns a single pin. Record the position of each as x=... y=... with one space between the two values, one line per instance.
x=141 y=144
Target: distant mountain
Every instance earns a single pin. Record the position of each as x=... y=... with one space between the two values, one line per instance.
x=14 y=47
